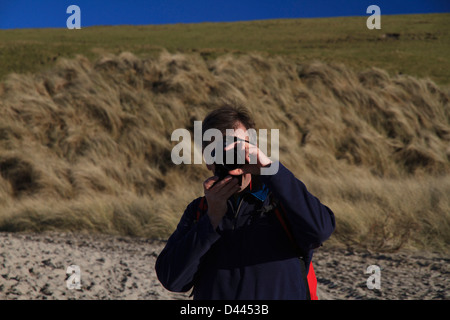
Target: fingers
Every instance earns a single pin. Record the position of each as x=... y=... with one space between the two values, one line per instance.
x=251 y=151
x=224 y=188
x=236 y=172
x=210 y=182
x=211 y=185
x=242 y=145
x=246 y=168
x=221 y=184
x=230 y=146
x=229 y=189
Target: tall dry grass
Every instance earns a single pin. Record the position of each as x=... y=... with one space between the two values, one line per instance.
x=86 y=146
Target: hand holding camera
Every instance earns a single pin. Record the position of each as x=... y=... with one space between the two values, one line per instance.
x=217 y=193
x=239 y=157
x=229 y=168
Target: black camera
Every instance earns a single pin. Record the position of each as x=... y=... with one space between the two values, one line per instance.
x=231 y=159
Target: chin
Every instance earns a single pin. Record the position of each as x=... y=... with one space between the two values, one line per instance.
x=245 y=182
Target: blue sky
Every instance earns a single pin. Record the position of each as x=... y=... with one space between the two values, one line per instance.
x=52 y=13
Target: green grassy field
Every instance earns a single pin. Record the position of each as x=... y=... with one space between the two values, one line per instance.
x=418 y=45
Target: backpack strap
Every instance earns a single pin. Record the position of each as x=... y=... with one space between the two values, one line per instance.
x=284 y=225
x=309 y=278
x=202 y=207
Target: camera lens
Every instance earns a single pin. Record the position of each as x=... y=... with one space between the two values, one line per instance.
x=233 y=158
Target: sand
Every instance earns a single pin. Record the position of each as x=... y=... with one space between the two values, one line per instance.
x=33 y=266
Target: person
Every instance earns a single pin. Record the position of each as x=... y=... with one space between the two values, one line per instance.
x=238 y=249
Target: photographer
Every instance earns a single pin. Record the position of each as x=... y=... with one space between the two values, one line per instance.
x=238 y=248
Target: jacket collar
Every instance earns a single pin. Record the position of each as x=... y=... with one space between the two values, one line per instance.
x=257 y=189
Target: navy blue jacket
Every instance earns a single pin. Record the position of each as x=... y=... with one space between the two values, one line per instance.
x=249 y=255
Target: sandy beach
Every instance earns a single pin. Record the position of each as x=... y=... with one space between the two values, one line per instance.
x=33 y=266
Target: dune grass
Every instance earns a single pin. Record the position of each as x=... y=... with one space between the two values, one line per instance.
x=86 y=145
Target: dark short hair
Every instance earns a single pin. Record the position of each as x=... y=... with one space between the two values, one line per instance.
x=227 y=117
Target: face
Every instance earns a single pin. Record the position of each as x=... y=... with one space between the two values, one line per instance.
x=240 y=132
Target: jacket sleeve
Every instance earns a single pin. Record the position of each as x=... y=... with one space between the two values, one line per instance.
x=178 y=262
x=311 y=222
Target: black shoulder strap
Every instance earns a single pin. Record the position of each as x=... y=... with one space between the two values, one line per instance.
x=280 y=213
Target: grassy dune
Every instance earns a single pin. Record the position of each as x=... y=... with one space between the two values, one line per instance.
x=364 y=120
x=86 y=146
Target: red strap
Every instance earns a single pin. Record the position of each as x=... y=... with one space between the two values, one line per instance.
x=312 y=283
x=283 y=223
x=201 y=208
